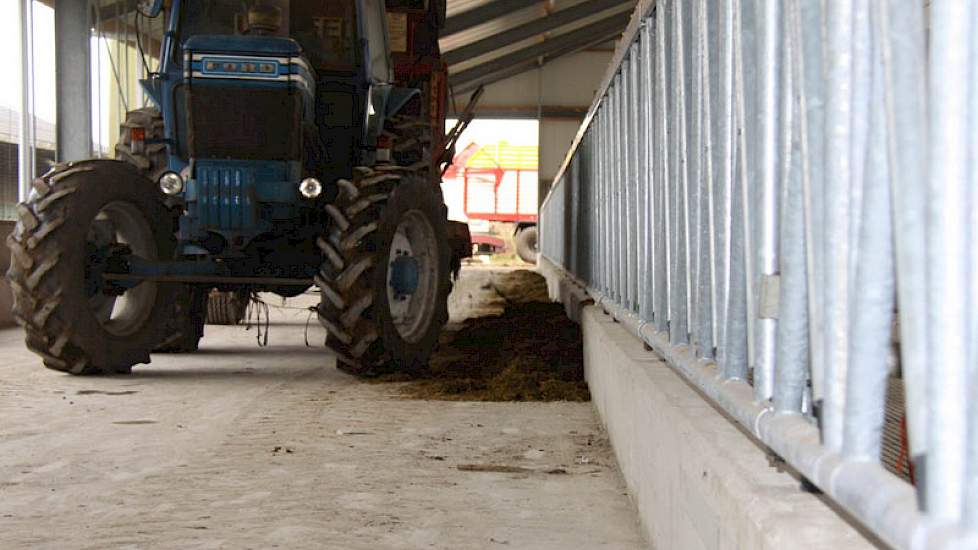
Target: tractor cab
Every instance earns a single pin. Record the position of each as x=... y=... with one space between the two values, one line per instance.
x=328 y=32
x=266 y=104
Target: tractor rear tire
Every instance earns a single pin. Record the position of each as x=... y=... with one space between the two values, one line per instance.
x=379 y=216
x=411 y=138
x=151 y=161
x=71 y=213
x=528 y=244
x=226 y=307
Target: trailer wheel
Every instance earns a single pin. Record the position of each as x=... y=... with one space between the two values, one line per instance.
x=527 y=244
x=76 y=218
x=226 y=307
x=386 y=278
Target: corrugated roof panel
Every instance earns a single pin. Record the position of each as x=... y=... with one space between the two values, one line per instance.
x=456 y=7
x=491 y=27
x=495 y=26
x=579 y=24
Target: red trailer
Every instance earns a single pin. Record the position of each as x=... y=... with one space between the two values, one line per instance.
x=500 y=185
x=499 y=195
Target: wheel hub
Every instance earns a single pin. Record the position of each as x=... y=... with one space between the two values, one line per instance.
x=412 y=276
x=119 y=229
x=404 y=275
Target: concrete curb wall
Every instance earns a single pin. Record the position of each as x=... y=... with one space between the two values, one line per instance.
x=698 y=481
x=6 y=298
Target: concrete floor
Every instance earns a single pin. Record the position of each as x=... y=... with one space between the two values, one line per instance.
x=241 y=447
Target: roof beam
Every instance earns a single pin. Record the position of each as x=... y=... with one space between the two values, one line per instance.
x=565 y=112
x=483 y=13
x=531 y=29
x=529 y=66
x=590 y=35
x=119 y=8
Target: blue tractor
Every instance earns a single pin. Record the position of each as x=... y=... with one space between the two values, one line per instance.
x=293 y=144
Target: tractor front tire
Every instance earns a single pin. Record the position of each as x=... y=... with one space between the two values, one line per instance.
x=378 y=321
x=185 y=322
x=185 y=325
x=54 y=271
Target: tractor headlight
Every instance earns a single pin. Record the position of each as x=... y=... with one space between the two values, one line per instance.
x=311 y=188
x=171 y=183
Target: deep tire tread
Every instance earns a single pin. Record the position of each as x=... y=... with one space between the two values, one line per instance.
x=27 y=273
x=349 y=292
x=37 y=249
x=185 y=326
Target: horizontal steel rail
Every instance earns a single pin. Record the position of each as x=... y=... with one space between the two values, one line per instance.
x=781 y=199
x=216 y=279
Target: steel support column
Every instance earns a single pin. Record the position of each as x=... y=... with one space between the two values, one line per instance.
x=25 y=138
x=72 y=24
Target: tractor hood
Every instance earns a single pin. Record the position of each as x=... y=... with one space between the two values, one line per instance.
x=254 y=45
x=254 y=58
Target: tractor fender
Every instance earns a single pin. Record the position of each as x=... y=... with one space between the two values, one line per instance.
x=397 y=98
x=154 y=89
x=385 y=102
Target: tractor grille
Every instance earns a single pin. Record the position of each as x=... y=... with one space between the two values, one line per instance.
x=225 y=197
x=244 y=123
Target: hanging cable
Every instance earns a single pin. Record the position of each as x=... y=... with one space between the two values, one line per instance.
x=257 y=306
x=139 y=45
x=108 y=50
x=313 y=310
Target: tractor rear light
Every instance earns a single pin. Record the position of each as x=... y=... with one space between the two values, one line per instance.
x=311 y=188
x=137 y=140
x=171 y=183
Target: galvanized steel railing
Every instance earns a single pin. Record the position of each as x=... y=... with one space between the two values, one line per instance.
x=756 y=188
